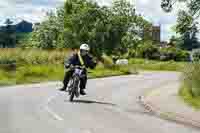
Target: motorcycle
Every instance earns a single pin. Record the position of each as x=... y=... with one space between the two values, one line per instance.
x=74 y=83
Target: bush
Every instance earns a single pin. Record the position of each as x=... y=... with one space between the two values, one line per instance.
x=182 y=55
x=148 y=50
x=172 y=53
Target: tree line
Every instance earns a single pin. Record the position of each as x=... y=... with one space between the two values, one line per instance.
x=113 y=30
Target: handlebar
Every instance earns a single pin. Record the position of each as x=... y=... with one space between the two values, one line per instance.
x=79 y=67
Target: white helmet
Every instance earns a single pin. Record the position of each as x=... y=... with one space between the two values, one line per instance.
x=85 y=47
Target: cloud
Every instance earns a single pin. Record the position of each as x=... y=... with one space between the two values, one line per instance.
x=31 y=10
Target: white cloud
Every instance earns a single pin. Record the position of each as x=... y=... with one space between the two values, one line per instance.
x=31 y=10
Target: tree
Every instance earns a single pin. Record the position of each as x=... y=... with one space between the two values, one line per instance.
x=173 y=41
x=188 y=32
x=192 y=5
x=49 y=32
x=8 y=37
x=102 y=27
x=187 y=28
x=187 y=20
x=108 y=30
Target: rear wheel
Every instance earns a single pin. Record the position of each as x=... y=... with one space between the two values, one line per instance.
x=71 y=96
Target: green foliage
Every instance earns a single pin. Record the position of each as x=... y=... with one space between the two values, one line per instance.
x=22 y=39
x=105 y=29
x=188 y=30
x=187 y=22
x=184 y=22
x=8 y=35
x=172 y=53
x=148 y=50
x=49 y=33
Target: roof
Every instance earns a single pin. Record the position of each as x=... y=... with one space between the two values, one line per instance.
x=15 y=22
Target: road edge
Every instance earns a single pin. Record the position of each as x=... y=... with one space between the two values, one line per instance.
x=172 y=116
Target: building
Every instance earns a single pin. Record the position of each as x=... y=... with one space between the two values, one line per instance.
x=156 y=34
x=153 y=33
x=21 y=26
x=24 y=27
x=13 y=29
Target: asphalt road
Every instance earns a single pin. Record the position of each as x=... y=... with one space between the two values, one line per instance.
x=111 y=106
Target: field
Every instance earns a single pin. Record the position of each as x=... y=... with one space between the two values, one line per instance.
x=36 y=65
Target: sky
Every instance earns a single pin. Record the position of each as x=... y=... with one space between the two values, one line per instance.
x=35 y=11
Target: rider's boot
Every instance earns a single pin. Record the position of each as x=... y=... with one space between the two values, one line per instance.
x=82 y=92
x=62 y=89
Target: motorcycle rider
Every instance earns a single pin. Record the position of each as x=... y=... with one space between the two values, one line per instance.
x=81 y=58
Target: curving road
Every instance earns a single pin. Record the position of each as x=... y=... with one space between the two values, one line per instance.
x=111 y=106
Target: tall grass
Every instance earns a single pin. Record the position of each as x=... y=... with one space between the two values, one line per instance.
x=190 y=89
x=39 y=73
x=7 y=75
x=157 y=65
x=8 y=56
x=38 y=56
x=192 y=78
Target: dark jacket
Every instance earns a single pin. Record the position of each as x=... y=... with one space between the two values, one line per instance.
x=74 y=60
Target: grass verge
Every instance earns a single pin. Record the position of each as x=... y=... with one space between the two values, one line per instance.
x=7 y=76
x=143 y=64
x=188 y=98
x=40 y=73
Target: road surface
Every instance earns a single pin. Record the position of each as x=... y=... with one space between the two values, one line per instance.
x=111 y=106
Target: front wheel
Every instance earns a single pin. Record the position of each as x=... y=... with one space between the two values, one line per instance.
x=73 y=89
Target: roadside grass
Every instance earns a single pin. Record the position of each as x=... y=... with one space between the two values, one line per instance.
x=39 y=56
x=36 y=65
x=7 y=55
x=40 y=73
x=7 y=76
x=186 y=95
x=143 y=64
x=190 y=90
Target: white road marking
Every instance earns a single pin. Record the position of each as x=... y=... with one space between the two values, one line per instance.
x=56 y=116
x=46 y=107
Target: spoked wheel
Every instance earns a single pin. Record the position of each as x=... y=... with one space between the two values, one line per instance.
x=73 y=89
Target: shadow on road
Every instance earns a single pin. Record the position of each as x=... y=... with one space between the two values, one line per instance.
x=93 y=102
